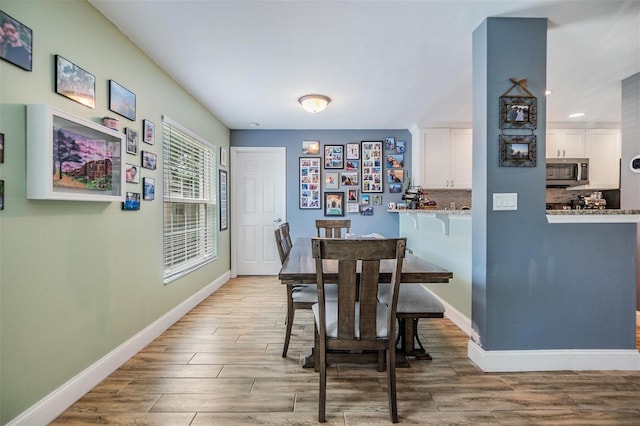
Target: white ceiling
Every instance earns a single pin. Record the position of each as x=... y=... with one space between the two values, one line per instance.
x=385 y=64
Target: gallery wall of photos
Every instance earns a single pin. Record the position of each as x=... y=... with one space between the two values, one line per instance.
x=350 y=178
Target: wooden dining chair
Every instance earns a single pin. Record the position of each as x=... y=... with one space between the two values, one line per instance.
x=332 y=228
x=299 y=296
x=356 y=322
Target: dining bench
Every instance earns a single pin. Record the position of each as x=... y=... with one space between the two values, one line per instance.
x=414 y=302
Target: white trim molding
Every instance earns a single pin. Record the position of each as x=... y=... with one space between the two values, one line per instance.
x=554 y=360
x=52 y=405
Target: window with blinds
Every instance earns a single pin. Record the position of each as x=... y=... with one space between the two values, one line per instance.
x=189 y=180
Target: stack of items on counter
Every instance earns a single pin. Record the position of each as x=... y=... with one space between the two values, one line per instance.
x=416 y=198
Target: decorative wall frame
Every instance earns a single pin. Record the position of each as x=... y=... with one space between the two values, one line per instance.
x=122 y=101
x=371 y=166
x=148 y=132
x=390 y=144
x=223 y=156
x=1 y=148
x=395 y=176
x=353 y=151
x=331 y=180
x=310 y=147
x=352 y=165
x=224 y=201
x=518 y=111
x=132 y=201
x=1 y=194
x=395 y=161
x=517 y=151
x=334 y=156
x=132 y=140
x=21 y=56
x=69 y=158
x=352 y=195
x=309 y=183
x=349 y=178
x=401 y=147
x=75 y=83
x=353 y=208
x=148 y=188
x=132 y=173
x=334 y=203
x=149 y=160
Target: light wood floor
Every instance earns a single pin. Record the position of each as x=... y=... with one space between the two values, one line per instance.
x=221 y=365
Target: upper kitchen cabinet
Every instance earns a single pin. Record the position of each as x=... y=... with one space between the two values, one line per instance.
x=566 y=143
x=446 y=158
x=604 y=152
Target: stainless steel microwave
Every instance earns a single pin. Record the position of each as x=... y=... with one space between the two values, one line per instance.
x=563 y=172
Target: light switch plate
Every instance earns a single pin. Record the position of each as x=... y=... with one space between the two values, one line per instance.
x=505 y=201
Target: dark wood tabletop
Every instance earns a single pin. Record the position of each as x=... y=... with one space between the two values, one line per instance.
x=299 y=268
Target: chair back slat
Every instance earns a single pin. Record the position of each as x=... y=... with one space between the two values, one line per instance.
x=332 y=228
x=282 y=245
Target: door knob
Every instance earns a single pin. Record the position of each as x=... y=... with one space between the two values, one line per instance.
x=278 y=220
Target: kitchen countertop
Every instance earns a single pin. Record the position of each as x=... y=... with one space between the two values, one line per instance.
x=593 y=216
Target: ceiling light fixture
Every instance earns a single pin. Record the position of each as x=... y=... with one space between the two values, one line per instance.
x=314 y=103
x=577 y=114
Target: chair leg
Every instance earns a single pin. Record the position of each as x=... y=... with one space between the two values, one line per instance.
x=322 y=392
x=289 y=321
x=391 y=385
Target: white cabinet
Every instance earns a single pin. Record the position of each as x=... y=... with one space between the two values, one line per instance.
x=604 y=151
x=446 y=158
x=566 y=143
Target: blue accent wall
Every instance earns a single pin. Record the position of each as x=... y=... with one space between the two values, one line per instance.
x=302 y=222
x=537 y=285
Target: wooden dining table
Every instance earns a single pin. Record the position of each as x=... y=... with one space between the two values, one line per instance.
x=299 y=268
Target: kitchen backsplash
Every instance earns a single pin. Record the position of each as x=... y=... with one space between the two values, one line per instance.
x=444 y=198
x=561 y=195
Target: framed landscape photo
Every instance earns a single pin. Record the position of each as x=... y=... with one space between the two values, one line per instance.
x=310 y=147
x=17 y=42
x=148 y=132
x=122 y=101
x=517 y=151
x=334 y=203
x=309 y=183
x=334 y=156
x=518 y=112
x=75 y=83
x=371 y=153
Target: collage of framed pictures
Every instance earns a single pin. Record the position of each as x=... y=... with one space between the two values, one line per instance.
x=372 y=166
x=334 y=156
x=309 y=182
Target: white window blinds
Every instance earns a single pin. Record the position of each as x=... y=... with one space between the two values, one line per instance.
x=189 y=234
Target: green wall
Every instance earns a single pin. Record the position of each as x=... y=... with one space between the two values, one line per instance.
x=77 y=279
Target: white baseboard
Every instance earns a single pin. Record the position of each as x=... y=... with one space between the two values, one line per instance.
x=455 y=316
x=554 y=360
x=52 y=405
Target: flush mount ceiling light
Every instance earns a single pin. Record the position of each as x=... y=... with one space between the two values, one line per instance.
x=576 y=115
x=314 y=103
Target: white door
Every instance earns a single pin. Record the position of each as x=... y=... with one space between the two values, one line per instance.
x=258 y=205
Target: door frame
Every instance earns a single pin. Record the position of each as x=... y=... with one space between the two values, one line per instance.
x=234 y=190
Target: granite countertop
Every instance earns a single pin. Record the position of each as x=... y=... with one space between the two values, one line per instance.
x=593 y=216
x=592 y=212
x=433 y=212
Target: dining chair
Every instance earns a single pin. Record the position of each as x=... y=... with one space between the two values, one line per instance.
x=332 y=228
x=299 y=296
x=357 y=321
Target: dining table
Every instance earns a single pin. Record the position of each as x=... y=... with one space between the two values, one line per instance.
x=299 y=268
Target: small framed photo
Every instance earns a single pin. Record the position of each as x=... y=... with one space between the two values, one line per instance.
x=353 y=151
x=334 y=203
x=352 y=165
x=365 y=199
x=1 y=195
x=518 y=112
x=334 y=156
x=19 y=42
x=517 y=151
x=352 y=195
x=132 y=173
x=395 y=161
x=353 y=208
x=376 y=200
x=122 y=101
x=149 y=160
x=390 y=144
x=395 y=188
x=1 y=148
x=223 y=156
x=331 y=180
x=401 y=147
x=224 y=201
x=310 y=147
x=132 y=201
x=148 y=132
x=349 y=178
x=395 y=176
x=75 y=83
x=132 y=140
x=366 y=211
x=148 y=188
